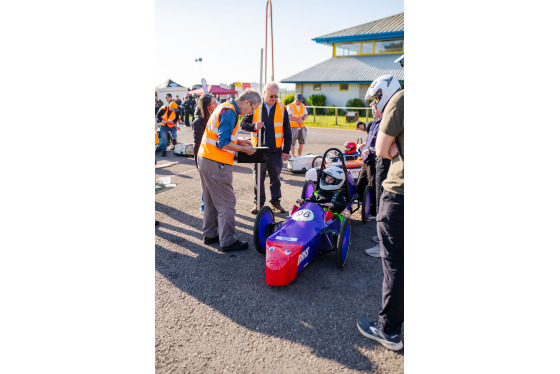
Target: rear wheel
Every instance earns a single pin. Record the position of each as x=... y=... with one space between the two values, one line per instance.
x=366 y=203
x=308 y=189
x=263 y=228
x=316 y=163
x=343 y=243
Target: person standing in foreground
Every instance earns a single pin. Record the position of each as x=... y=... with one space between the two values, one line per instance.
x=390 y=229
x=215 y=166
x=273 y=119
x=297 y=112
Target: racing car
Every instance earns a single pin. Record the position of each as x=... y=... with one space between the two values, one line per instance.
x=308 y=232
x=310 y=161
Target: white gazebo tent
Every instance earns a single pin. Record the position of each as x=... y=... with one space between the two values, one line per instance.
x=170 y=87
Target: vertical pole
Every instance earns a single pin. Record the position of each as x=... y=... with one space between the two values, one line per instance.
x=259 y=135
x=314 y=120
x=336 y=116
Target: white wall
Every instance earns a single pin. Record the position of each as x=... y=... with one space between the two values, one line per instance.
x=332 y=92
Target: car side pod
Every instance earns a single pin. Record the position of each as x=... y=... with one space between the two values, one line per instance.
x=282 y=262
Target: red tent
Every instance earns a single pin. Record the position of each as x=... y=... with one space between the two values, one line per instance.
x=214 y=89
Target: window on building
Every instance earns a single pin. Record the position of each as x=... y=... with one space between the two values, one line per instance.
x=389 y=46
x=344 y=87
x=347 y=49
x=316 y=87
x=369 y=47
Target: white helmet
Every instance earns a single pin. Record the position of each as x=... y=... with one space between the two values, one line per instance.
x=383 y=88
x=338 y=175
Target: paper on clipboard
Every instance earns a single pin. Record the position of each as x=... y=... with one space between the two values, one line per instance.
x=255 y=158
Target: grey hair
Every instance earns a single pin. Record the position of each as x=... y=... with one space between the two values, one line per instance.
x=252 y=95
x=271 y=85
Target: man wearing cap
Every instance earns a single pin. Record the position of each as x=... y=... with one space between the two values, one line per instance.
x=168 y=117
x=297 y=112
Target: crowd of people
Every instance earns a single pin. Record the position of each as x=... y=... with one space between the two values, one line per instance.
x=279 y=127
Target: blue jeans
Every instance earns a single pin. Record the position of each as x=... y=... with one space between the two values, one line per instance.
x=164 y=130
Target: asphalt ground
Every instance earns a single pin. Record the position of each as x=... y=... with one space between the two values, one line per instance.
x=216 y=314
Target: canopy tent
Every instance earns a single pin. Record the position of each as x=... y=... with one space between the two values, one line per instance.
x=215 y=90
x=171 y=87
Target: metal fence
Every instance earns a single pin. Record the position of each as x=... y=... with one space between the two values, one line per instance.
x=336 y=111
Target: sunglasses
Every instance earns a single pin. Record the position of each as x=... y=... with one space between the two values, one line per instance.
x=273 y=96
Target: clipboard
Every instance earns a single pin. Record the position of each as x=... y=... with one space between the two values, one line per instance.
x=255 y=158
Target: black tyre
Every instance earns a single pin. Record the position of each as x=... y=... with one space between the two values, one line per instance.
x=343 y=243
x=316 y=163
x=366 y=204
x=308 y=189
x=263 y=228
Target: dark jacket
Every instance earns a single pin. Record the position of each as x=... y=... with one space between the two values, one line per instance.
x=336 y=197
x=269 y=139
x=198 y=131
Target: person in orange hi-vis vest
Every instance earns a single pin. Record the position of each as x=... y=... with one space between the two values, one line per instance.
x=215 y=166
x=168 y=115
x=297 y=112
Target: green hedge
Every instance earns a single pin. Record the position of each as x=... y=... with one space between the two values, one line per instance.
x=288 y=99
x=331 y=112
x=356 y=102
x=317 y=100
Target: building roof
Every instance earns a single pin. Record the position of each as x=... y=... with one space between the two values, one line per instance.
x=350 y=69
x=168 y=83
x=392 y=26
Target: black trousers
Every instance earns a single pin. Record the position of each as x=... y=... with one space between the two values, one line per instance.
x=381 y=169
x=367 y=177
x=390 y=230
x=273 y=164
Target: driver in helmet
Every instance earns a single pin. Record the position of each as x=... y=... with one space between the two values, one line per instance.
x=330 y=192
x=351 y=151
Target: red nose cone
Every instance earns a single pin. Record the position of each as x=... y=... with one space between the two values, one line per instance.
x=281 y=262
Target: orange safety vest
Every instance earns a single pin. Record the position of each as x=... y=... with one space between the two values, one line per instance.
x=168 y=118
x=297 y=114
x=157 y=140
x=278 y=124
x=208 y=148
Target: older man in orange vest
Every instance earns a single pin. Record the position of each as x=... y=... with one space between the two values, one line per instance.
x=215 y=159
x=297 y=114
x=277 y=137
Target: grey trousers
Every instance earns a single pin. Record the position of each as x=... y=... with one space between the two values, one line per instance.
x=217 y=188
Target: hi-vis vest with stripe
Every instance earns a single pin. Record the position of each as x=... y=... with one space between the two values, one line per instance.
x=278 y=124
x=168 y=117
x=297 y=114
x=208 y=148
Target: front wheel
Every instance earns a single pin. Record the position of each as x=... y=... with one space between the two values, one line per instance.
x=366 y=204
x=343 y=243
x=263 y=228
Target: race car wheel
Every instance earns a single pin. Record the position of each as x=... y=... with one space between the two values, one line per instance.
x=316 y=163
x=366 y=204
x=263 y=228
x=342 y=243
x=308 y=189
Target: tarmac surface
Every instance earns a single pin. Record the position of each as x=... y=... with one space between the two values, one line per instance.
x=216 y=314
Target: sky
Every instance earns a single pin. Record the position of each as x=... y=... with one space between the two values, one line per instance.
x=228 y=36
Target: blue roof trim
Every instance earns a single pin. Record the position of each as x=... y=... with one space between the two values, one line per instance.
x=349 y=82
x=357 y=38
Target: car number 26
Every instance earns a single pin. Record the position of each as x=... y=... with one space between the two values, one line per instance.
x=303 y=215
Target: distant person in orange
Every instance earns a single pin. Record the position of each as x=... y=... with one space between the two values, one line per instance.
x=168 y=116
x=297 y=112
